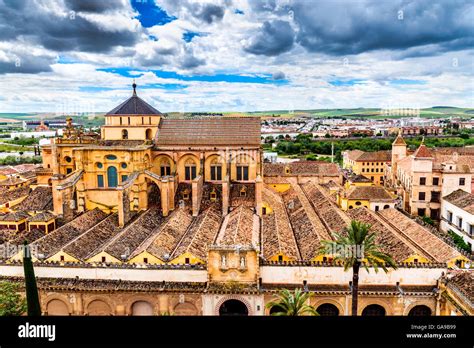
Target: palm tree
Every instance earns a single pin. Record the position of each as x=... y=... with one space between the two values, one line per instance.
x=355 y=248
x=292 y=303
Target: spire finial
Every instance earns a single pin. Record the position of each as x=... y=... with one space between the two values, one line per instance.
x=134 y=85
x=422 y=140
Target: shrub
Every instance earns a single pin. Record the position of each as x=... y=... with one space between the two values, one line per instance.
x=459 y=241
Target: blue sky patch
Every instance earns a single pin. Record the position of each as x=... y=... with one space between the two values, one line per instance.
x=346 y=82
x=220 y=77
x=406 y=82
x=237 y=11
x=189 y=35
x=150 y=14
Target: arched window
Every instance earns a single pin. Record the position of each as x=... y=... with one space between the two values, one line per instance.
x=148 y=134
x=386 y=206
x=276 y=309
x=112 y=180
x=216 y=170
x=189 y=170
x=165 y=167
x=142 y=308
x=374 y=310
x=420 y=311
x=327 y=310
x=124 y=134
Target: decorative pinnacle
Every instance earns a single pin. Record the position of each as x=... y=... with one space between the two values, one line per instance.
x=134 y=85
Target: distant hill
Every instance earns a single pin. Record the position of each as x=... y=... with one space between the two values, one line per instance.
x=433 y=112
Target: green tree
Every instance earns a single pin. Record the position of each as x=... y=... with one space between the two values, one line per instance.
x=11 y=302
x=355 y=248
x=32 y=299
x=292 y=303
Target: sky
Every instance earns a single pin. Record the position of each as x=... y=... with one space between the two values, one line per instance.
x=69 y=56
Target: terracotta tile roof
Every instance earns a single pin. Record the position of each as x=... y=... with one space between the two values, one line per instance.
x=134 y=106
x=274 y=180
x=170 y=234
x=386 y=237
x=87 y=285
x=39 y=199
x=399 y=141
x=359 y=178
x=54 y=241
x=317 y=168
x=463 y=151
x=11 y=195
x=20 y=168
x=240 y=228
x=377 y=156
x=422 y=237
x=14 y=216
x=86 y=245
x=200 y=234
x=212 y=131
x=236 y=200
x=369 y=193
x=463 y=281
x=277 y=234
x=422 y=152
x=307 y=227
x=8 y=170
x=461 y=199
x=29 y=236
x=354 y=154
x=42 y=217
x=10 y=181
x=135 y=233
x=464 y=163
x=332 y=217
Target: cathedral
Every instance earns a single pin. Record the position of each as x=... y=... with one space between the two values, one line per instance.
x=165 y=215
x=144 y=159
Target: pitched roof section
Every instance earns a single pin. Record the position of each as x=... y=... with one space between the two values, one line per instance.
x=209 y=131
x=354 y=154
x=369 y=193
x=399 y=141
x=423 y=152
x=383 y=156
x=134 y=106
x=301 y=168
x=461 y=199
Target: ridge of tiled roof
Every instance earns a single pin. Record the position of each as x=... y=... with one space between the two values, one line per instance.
x=422 y=152
x=399 y=141
x=209 y=131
